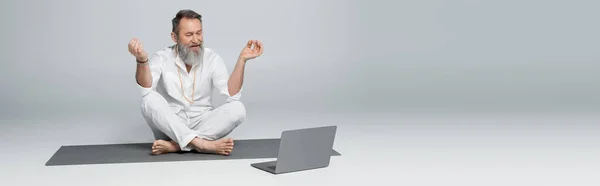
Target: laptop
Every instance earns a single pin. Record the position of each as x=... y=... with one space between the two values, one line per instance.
x=302 y=149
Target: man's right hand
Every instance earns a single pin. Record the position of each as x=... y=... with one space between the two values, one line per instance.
x=136 y=49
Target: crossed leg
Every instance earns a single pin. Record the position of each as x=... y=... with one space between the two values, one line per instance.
x=205 y=134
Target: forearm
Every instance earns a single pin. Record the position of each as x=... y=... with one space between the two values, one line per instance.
x=143 y=75
x=237 y=78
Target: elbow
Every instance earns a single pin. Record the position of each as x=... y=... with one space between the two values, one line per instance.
x=232 y=92
x=145 y=84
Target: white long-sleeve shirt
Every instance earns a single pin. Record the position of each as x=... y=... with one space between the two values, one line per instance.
x=210 y=73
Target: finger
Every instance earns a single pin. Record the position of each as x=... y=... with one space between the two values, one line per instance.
x=253 y=45
x=249 y=45
x=132 y=42
x=130 y=46
x=134 y=51
x=138 y=43
x=138 y=47
x=135 y=46
x=260 y=48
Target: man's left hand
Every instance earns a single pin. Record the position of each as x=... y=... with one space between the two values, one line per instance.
x=252 y=50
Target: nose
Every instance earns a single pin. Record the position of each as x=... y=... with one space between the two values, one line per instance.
x=195 y=39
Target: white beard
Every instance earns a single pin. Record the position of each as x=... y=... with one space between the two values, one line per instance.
x=189 y=56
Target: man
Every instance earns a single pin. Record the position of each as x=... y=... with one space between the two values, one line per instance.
x=177 y=84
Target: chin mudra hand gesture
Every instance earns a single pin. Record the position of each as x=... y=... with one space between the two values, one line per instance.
x=137 y=49
x=252 y=50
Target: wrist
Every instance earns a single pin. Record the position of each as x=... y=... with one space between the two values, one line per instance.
x=144 y=60
x=242 y=60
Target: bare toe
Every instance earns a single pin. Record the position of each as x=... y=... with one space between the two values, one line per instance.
x=221 y=146
x=162 y=147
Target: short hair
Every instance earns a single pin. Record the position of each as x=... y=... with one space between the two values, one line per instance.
x=190 y=14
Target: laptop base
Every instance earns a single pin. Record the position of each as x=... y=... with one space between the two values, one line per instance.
x=266 y=166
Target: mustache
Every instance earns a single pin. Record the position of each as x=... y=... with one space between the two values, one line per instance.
x=192 y=45
x=187 y=48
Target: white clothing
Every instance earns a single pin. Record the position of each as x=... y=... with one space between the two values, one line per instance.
x=212 y=125
x=171 y=116
x=210 y=73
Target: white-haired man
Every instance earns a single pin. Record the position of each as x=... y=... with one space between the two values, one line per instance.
x=177 y=85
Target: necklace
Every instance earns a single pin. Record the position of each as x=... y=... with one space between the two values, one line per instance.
x=181 y=82
x=193 y=86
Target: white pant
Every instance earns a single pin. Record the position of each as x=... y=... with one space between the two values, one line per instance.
x=212 y=125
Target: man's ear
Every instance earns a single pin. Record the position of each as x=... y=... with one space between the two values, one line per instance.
x=174 y=37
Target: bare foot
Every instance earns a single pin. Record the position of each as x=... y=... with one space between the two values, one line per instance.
x=222 y=146
x=163 y=147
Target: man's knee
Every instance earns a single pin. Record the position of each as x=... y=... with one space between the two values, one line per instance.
x=223 y=121
x=152 y=102
x=237 y=111
x=234 y=114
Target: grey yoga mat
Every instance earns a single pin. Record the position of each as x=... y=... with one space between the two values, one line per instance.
x=140 y=152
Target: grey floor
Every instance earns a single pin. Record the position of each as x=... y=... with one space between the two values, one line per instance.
x=386 y=149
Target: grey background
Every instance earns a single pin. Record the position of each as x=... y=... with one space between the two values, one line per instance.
x=426 y=92
x=64 y=58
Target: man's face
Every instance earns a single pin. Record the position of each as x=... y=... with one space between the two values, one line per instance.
x=189 y=41
x=190 y=34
